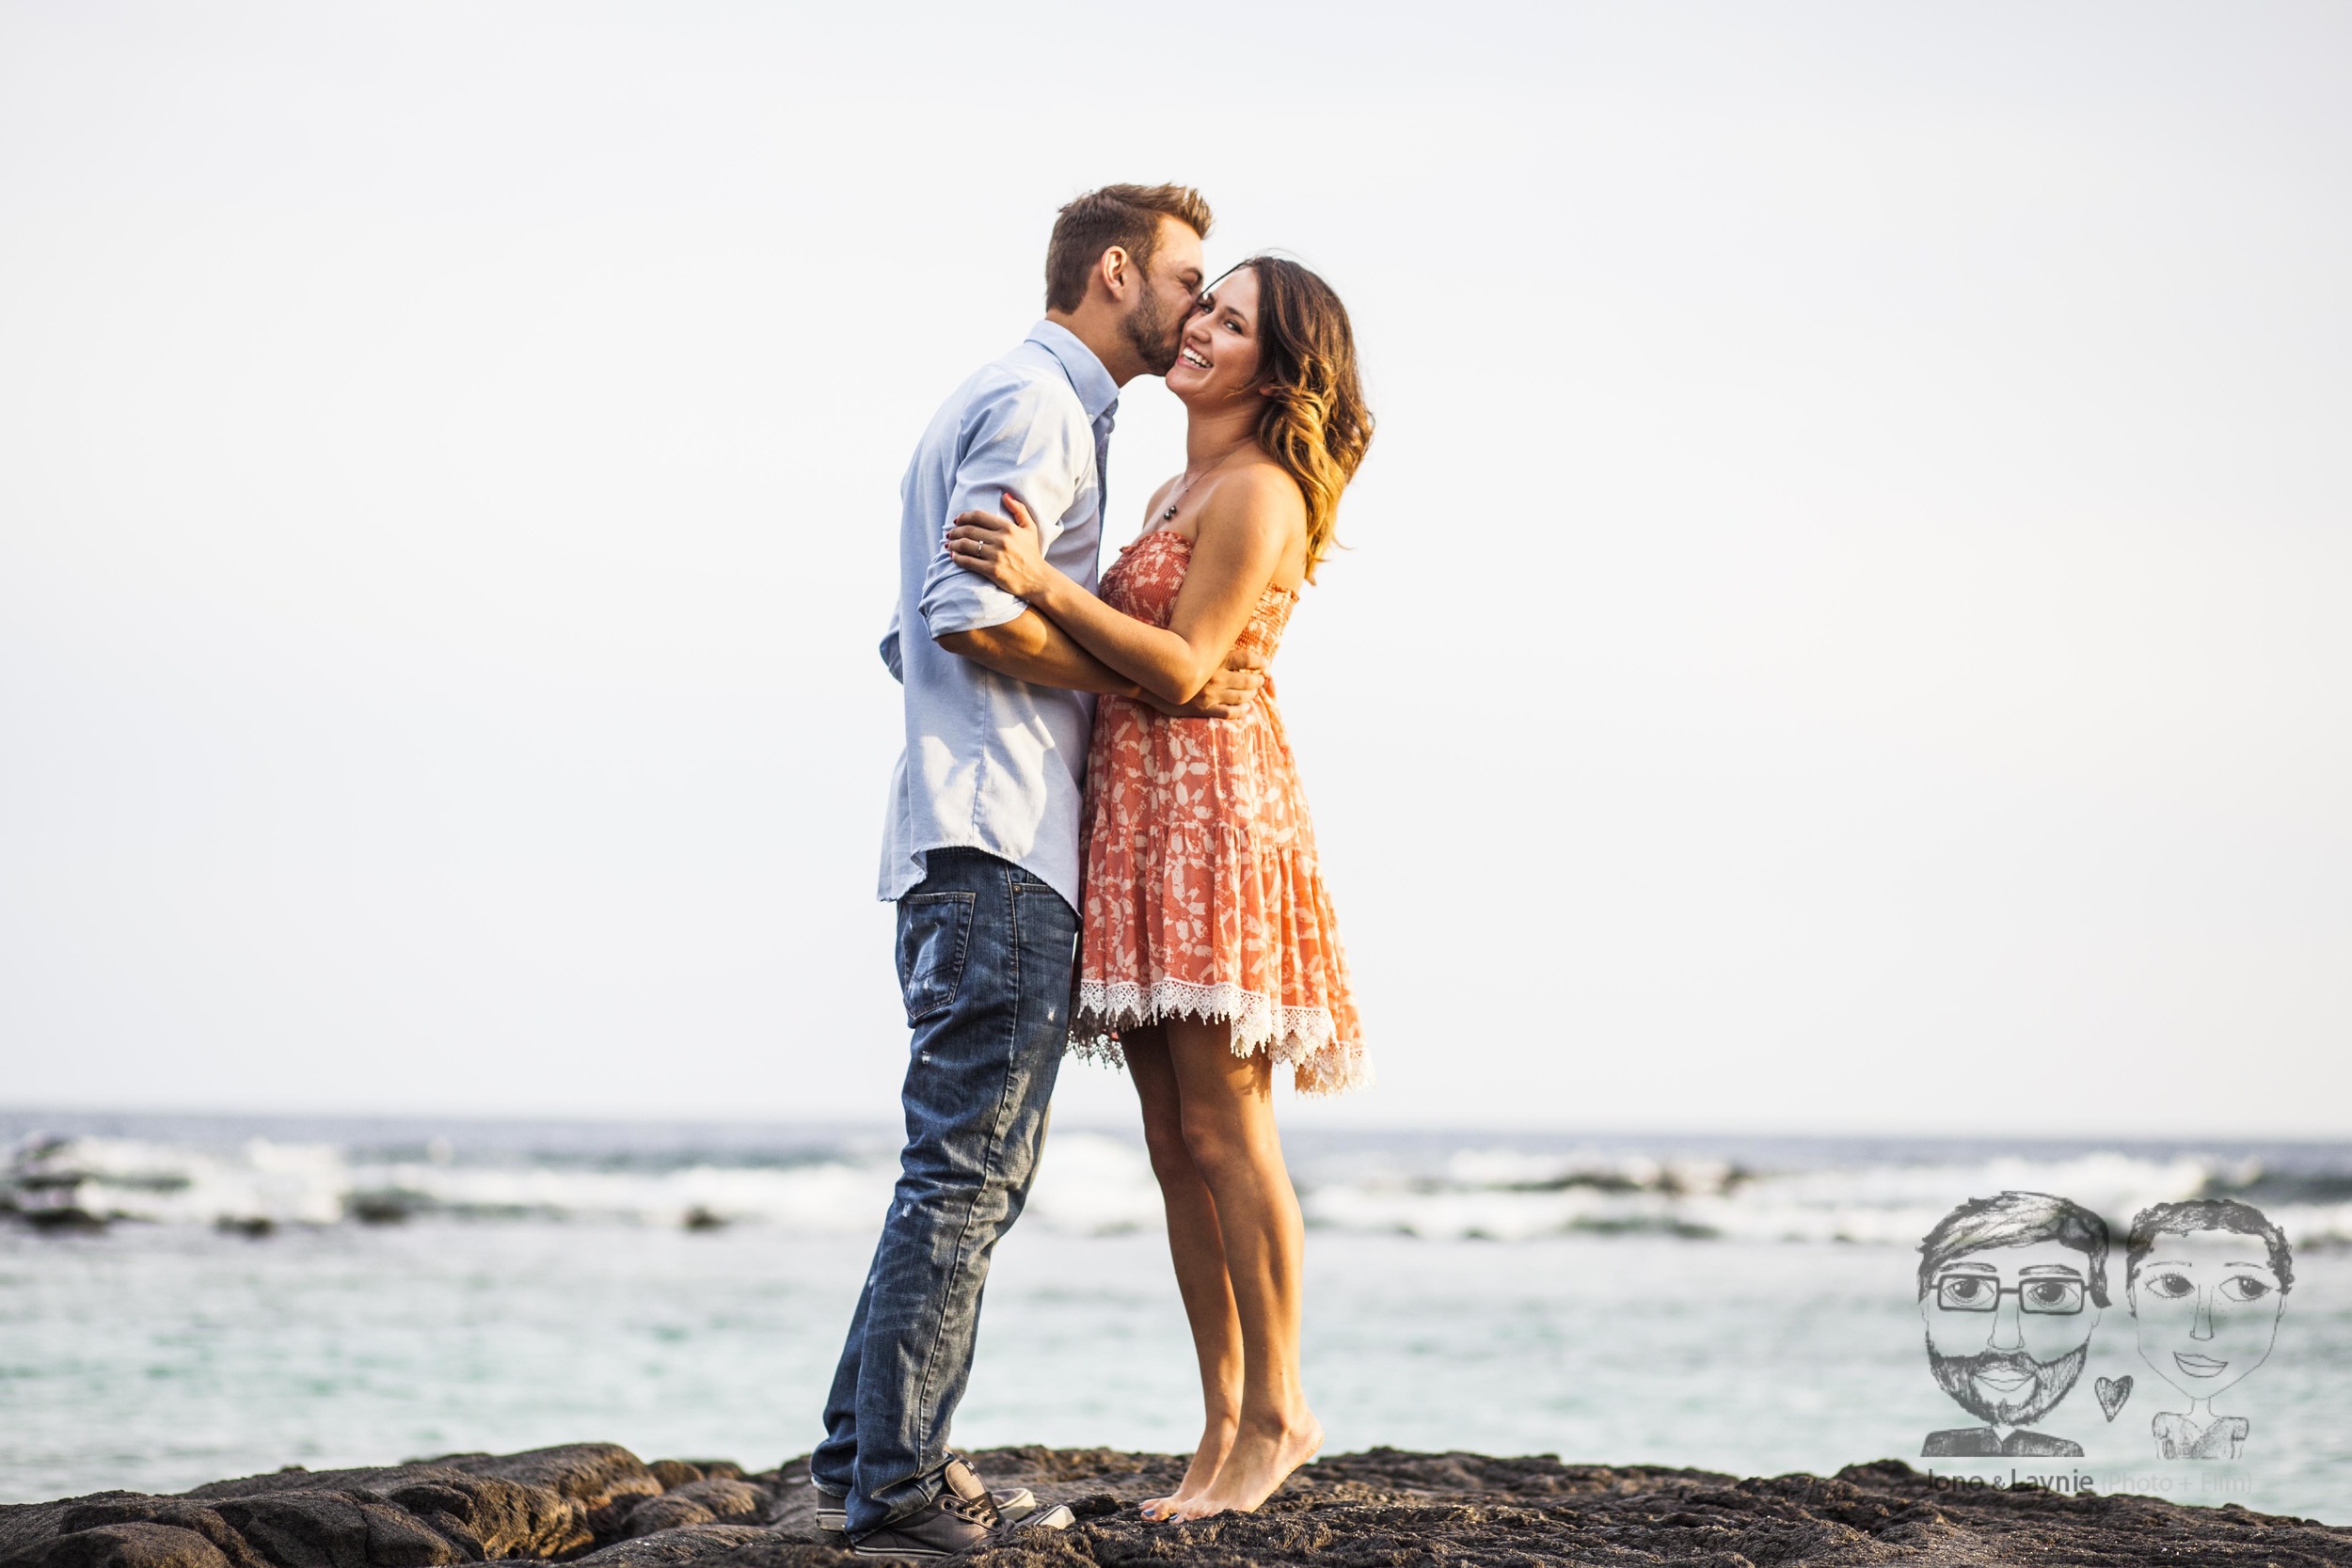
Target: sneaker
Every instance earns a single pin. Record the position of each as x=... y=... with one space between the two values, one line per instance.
x=963 y=1517
x=832 y=1508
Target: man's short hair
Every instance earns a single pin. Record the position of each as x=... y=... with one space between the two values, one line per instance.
x=2206 y=1213
x=2015 y=1219
x=1127 y=216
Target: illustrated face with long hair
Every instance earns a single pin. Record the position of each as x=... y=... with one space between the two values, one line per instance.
x=2009 y=1328
x=2207 y=1305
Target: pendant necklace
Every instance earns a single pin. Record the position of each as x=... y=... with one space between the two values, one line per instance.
x=1177 y=498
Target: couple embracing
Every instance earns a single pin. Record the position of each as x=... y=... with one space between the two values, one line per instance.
x=1098 y=844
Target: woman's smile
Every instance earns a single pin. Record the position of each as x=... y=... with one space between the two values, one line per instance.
x=1223 y=323
x=1193 y=360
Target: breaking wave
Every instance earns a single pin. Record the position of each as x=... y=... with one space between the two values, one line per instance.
x=1464 y=1186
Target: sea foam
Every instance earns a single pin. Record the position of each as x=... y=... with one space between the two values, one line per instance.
x=1493 y=1187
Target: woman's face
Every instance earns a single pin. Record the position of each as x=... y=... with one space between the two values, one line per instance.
x=1219 y=361
x=2208 y=1308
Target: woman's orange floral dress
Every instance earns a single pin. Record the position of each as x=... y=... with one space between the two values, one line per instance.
x=1202 y=897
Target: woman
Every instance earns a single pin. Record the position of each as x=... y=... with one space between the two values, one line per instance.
x=1210 y=951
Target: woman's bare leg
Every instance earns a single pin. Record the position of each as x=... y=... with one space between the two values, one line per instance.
x=1198 y=1250
x=1226 y=1106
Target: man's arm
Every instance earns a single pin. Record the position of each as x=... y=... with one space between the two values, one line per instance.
x=1037 y=447
x=1031 y=648
x=1036 y=443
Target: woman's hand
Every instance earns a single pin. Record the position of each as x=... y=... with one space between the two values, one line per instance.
x=1227 y=694
x=1008 y=551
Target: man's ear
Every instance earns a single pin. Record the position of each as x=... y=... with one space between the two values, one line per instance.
x=1115 y=269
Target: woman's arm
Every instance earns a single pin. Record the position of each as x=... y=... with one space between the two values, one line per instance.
x=1245 y=524
x=1030 y=647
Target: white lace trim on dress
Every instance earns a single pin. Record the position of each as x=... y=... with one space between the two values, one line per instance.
x=1300 y=1036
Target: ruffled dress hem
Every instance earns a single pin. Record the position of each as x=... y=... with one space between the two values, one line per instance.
x=1301 y=1038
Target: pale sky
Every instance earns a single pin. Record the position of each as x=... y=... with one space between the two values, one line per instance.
x=1847 y=626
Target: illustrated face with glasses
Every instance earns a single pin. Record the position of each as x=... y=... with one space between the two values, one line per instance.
x=1980 y=1289
x=2009 y=1328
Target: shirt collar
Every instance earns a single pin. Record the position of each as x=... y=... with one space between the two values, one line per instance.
x=1098 y=394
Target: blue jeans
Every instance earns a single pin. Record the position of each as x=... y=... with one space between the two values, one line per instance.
x=985 y=957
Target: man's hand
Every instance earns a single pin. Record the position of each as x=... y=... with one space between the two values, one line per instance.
x=1228 y=693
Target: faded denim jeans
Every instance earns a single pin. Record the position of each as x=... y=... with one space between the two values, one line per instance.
x=985 y=957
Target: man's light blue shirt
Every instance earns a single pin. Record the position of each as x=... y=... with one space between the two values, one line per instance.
x=992 y=762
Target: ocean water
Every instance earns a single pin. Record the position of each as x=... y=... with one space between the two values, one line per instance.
x=187 y=1298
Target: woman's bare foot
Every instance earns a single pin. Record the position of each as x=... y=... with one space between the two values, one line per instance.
x=1262 y=1457
x=1216 y=1441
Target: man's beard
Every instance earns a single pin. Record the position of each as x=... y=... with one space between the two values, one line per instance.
x=1957 y=1376
x=1146 y=327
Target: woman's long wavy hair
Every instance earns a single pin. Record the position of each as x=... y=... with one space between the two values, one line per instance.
x=1315 y=423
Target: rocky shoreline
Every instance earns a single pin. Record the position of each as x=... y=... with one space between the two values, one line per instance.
x=596 y=1505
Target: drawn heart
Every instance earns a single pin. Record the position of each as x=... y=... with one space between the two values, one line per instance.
x=2112 y=1392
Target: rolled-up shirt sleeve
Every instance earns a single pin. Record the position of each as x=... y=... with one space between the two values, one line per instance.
x=1024 y=441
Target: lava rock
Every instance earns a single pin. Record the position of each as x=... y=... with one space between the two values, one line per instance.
x=589 y=1474
x=479 y=1516
x=337 y=1530
x=176 y=1513
x=1393 y=1507
x=130 y=1545
x=672 y=1547
x=23 y=1525
x=493 y=1517
x=700 y=1502
x=1385 y=1509
x=674 y=1473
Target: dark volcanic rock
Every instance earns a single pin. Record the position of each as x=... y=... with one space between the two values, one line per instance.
x=674 y=1474
x=22 y=1525
x=337 y=1530
x=1385 y=1509
x=698 y=1502
x=177 y=1513
x=590 y=1474
x=130 y=1545
x=488 y=1517
x=691 y=1543
x=482 y=1515
x=1388 y=1509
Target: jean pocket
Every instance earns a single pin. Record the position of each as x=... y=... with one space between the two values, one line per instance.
x=934 y=933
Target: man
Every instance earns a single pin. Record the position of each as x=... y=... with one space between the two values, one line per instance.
x=2010 y=1290
x=981 y=853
